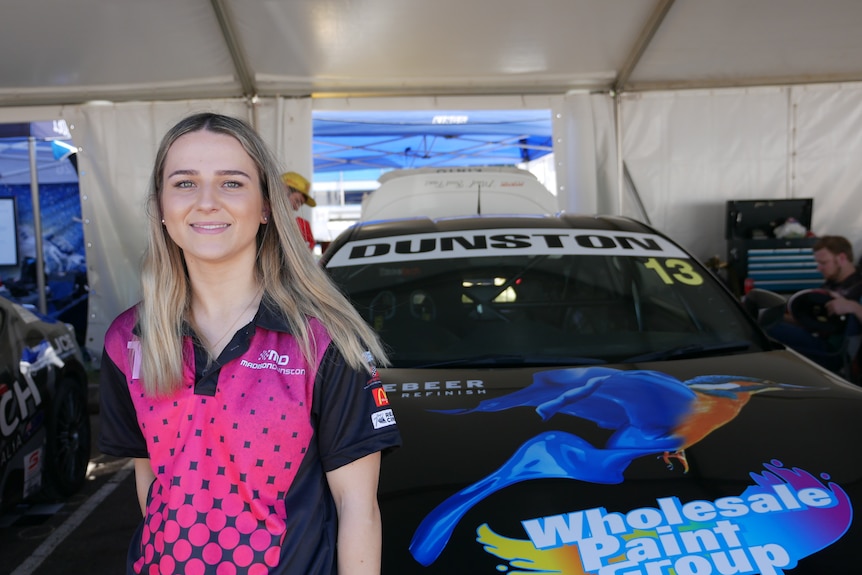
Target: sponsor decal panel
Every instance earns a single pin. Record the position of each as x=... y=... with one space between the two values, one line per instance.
x=20 y=400
x=414 y=389
x=18 y=403
x=503 y=242
x=33 y=472
x=786 y=515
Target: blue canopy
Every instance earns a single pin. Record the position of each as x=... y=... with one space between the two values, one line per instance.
x=345 y=141
x=55 y=153
x=350 y=142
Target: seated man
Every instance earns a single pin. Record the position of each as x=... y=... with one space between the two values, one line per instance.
x=834 y=257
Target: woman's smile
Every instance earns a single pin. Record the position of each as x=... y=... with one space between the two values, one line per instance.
x=210 y=228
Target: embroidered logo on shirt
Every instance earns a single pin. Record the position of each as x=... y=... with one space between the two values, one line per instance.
x=271 y=359
x=375 y=376
x=374 y=380
x=383 y=418
x=273 y=356
x=380 y=398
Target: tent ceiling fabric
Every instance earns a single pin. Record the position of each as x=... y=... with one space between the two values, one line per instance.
x=61 y=52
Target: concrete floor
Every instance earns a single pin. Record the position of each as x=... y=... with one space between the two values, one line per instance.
x=88 y=533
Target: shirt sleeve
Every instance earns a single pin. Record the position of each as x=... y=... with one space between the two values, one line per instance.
x=352 y=413
x=119 y=432
x=305 y=230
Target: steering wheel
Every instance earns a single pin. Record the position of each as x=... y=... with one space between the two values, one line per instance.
x=808 y=308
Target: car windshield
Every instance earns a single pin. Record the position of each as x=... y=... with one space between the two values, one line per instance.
x=546 y=309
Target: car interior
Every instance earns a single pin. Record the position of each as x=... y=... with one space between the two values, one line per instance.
x=538 y=309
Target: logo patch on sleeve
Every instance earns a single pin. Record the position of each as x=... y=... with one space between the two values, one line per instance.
x=380 y=398
x=383 y=418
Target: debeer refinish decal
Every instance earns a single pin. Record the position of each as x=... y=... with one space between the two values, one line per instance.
x=786 y=515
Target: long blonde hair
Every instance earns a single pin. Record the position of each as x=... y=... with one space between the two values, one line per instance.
x=292 y=280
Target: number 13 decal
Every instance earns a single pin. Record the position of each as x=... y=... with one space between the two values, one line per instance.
x=674 y=270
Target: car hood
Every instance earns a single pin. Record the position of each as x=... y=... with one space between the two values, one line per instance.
x=737 y=464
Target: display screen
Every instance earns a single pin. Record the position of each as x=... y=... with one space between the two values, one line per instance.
x=8 y=233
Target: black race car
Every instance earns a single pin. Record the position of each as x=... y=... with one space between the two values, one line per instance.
x=579 y=395
x=44 y=422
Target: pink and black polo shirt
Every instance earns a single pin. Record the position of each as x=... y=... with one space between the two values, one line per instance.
x=240 y=452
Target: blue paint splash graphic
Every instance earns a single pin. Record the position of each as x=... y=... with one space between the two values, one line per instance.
x=649 y=412
x=805 y=533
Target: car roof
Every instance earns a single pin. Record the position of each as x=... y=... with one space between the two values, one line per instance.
x=444 y=192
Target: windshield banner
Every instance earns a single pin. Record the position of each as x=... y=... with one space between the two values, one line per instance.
x=504 y=242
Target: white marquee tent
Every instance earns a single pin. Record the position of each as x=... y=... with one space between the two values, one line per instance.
x=702 y=101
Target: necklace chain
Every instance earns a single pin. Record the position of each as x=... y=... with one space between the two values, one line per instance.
x=214 y=345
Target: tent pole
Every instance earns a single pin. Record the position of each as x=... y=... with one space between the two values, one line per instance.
x=618 y=136
x=37 y=228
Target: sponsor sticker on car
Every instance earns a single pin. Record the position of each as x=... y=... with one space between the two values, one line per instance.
x=520 y=241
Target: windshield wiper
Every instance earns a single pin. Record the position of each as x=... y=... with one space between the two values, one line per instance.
x=689 y=351
x=498 y=359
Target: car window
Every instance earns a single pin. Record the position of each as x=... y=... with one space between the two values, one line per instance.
x=542 y=309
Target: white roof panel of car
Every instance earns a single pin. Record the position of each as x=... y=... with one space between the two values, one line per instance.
x=436 y=193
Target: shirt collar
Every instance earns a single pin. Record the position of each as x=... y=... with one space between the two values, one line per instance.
x=269 y=317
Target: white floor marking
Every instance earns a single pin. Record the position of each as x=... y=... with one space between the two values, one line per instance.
x=47 y=547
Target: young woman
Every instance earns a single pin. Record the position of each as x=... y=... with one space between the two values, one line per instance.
x=243 y=383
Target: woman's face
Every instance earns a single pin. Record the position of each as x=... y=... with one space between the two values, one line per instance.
x=211 y=199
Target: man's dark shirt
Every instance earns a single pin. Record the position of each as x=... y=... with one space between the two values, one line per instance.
x=850 y=287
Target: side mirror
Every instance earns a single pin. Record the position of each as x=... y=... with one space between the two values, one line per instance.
x=765 y=306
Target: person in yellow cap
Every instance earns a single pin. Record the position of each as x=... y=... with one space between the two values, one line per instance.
x=299 y=193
